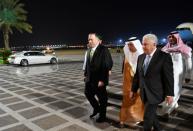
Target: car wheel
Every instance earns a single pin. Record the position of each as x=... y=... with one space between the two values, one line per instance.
x=53 y=61
x=24 y=63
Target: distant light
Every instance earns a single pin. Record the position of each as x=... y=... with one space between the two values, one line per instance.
x=120 y=40
x=164 y=40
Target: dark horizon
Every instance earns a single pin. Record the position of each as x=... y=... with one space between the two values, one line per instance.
x=61 y=22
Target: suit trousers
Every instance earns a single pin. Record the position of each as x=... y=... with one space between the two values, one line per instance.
x=150 y=117
x=99 y=105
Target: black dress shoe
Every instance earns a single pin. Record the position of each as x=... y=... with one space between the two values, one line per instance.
x=94 y=114
x=164 y=117
x=101 y=119
x=140 y=123
x=121 y=125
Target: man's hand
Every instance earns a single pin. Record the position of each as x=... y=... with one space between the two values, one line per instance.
x=110 y=72
x=100 y=84
x=169 y=100
x=132 y=95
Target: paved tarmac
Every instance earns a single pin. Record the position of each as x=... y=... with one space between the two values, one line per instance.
x=51 y=98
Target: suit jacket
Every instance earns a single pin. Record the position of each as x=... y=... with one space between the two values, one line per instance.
x=158 y=82
x=98 y=68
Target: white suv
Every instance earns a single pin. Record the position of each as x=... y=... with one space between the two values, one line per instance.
x=25 y=58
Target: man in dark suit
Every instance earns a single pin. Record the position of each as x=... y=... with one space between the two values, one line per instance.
x=98 y=65
x=154 y=77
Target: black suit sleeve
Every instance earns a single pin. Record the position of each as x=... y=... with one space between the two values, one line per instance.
x=107 y=65
x=168 y=76
x=108 y=59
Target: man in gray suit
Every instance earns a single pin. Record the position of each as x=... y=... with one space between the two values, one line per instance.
x=154 y=77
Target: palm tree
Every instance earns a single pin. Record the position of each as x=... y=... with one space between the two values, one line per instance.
x=12 y=15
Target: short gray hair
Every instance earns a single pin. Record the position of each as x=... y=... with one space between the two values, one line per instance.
x=151 y=37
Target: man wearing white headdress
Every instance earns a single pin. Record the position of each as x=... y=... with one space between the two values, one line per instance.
x=182 y=65
x=132 y=110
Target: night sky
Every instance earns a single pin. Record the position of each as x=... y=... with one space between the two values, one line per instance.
x=63 y=21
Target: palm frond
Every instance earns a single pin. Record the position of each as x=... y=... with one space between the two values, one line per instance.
x=13 y=15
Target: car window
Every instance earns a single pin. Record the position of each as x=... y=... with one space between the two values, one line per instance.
x=40 y=54
x=27 y=54
x=32 y=53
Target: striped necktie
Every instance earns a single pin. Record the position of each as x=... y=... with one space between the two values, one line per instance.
x=146 y=63
x=91 y=54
